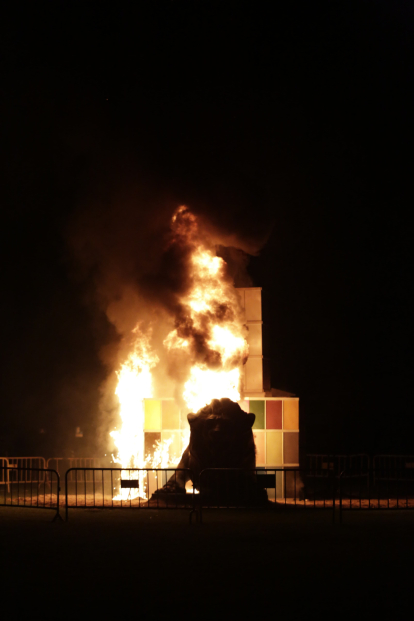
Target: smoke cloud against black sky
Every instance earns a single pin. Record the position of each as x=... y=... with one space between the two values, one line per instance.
x=288 y=134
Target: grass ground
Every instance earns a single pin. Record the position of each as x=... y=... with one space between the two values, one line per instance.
x=153 y=564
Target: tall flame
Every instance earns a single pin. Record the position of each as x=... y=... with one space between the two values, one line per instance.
x=209 y=335
x=134 y=385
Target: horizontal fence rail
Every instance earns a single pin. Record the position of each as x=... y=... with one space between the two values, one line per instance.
x=30 y=487
x=29 y=469
x=63 y=464
x=138 y=488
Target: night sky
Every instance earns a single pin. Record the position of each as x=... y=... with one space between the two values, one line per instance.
x=288 y=124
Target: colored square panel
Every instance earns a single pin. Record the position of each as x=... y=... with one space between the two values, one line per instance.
x=291 y=447
x=257 y=407
x=152 y=409
x=274 y=448
x=244 y=404
x=273 y=414
x=174 y=449
x=291 y=414
x=151 y=438
x=170 y=414
x=259 y=440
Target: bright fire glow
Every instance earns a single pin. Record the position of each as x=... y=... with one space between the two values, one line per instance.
x=134 y=385
x=203 y=383
x=211 y=339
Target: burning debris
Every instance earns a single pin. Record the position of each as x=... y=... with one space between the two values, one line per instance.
x=198 y=339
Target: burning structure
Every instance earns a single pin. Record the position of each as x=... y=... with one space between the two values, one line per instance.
x=205 y=344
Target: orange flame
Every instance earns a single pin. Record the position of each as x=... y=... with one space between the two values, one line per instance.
x=211 y=335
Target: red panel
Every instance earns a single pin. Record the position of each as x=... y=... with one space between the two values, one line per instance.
x=273 y=414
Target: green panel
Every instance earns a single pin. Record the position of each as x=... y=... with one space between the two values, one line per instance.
x=257 y=407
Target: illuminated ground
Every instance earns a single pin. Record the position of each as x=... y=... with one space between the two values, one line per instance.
x=154 y=561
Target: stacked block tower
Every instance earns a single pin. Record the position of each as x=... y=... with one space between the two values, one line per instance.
x=276 y=428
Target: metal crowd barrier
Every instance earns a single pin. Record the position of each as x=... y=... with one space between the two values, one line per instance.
x=267 y=488
x=4 y=472
x=63 y=464
x=356 y=465
x=138 y=488
x=392 y=489
x=393 y=468
x=29 y=469
x=30 y=487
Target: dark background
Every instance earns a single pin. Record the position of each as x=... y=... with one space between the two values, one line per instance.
x=290 y=120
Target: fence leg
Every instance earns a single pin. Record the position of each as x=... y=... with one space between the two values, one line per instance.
x=57 y=516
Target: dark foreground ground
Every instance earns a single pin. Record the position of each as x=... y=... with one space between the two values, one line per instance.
x=153 y=565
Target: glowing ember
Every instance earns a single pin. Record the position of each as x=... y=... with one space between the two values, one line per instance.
x=209 y=337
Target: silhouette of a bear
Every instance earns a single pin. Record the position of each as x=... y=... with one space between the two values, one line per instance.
x=221 y=436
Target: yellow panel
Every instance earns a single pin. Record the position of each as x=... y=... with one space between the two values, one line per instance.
x=259 y=440
x=274 y=452
x=254 y=339
x=291 y=414
x=152 y=414
x=170 y=415
x=253 y=304
x=174 y=449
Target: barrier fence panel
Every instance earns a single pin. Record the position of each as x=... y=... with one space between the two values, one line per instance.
x=138 y=488
x=63 y=464
x=393 y=468
x=30 y=487
x=4 y=472
x=29 y=469
x=266 y=488
x=392 y=489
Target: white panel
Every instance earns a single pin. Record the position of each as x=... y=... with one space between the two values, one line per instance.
x=254 y=339
x=253 y=302
x=253 y=374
